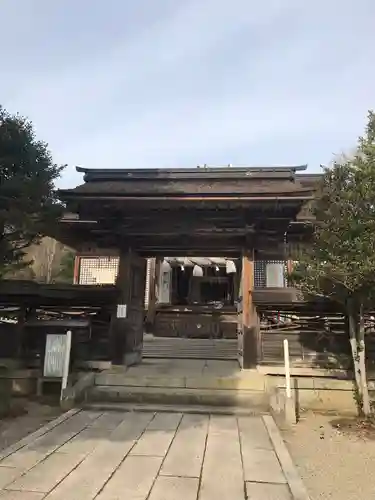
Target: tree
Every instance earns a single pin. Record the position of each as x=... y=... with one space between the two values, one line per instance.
x=44 y=262
x=28 y=201
x=340 y=263
x=65 y=273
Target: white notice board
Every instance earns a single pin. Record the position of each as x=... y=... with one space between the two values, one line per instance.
x=55 y=355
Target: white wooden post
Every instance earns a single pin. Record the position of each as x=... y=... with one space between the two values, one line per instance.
x=65 y=375
x=165 y=283
x=287 y=369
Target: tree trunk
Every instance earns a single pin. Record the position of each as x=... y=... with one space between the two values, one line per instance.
x=362 y=364
x=51 y=252
x=355 y=356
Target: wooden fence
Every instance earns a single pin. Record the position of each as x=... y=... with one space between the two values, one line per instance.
x=318 y=339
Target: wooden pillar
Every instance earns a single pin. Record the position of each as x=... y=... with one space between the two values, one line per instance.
x=247 y=287
x=127 y=321
x=250 y=323
x=77 y=260
x=20 y=332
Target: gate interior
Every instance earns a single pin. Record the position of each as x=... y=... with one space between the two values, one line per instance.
x=195 y=312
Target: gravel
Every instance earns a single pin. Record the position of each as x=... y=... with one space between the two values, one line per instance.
x=333 y=464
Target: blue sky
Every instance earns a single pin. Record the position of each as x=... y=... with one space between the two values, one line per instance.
x=177 y=83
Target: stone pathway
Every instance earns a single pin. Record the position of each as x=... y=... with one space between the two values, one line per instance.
x=85 y=455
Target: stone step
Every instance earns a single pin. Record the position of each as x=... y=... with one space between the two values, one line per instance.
x=250 y=399
x=168 y=408
x=244 y=380
x=186 y=348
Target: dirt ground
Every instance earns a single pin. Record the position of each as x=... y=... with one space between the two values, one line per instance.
x=25 y=417
x=335 y=462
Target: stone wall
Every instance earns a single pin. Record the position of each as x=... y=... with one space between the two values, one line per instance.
x=322 y=394
x=5 y=391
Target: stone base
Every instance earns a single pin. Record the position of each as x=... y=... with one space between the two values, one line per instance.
x=22 y=381
x=322 y=394
x=133 y=358
x=282 y=408
x=5 y=393
x=78 y=392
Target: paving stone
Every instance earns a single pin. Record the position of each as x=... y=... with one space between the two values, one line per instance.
x=173 y=488
x=185 y=456
x=140 y=455
x=265 y=491
x=86 y=441
x=47 y=474
x=253 y=433
x=223 y=423
x=20 y=495
x=79 y=421
x=109 y=420
x=132 y=480
x=62 y=433
x=294 y=480
x=51 y=441
x=8 y=475
x=86 y=481
x=261 y=466
x=39 y=432
x=23 y=459
x=36 y=451
x=165 y=422
x=153 y=443
x=222 y=475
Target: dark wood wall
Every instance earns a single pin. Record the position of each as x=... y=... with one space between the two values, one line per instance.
x=88 y=343
x=195 y=322
x=8 y=340
x=44 y=309
x=318 y=340
x=317 y=336
x=313 y=341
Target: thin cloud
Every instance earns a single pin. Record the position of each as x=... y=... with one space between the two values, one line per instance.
x=182 y=83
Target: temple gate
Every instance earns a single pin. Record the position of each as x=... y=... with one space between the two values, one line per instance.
x=250 y=216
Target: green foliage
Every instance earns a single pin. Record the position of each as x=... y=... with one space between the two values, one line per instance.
x=28 y=202
x=340 y=263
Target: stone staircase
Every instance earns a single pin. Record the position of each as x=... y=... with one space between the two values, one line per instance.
x=188 y=348
x=195 y=384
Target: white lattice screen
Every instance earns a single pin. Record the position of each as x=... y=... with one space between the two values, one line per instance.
x=97 y=270
x=260 y=272
x=103 y=271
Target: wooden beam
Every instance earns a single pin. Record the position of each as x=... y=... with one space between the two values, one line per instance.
x=205 y=197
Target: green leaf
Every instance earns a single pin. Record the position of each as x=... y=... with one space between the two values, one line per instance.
x=340 y=262
x=29 y=206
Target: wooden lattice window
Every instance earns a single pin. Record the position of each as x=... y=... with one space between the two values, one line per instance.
x=98 y=270
x=260 y=274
